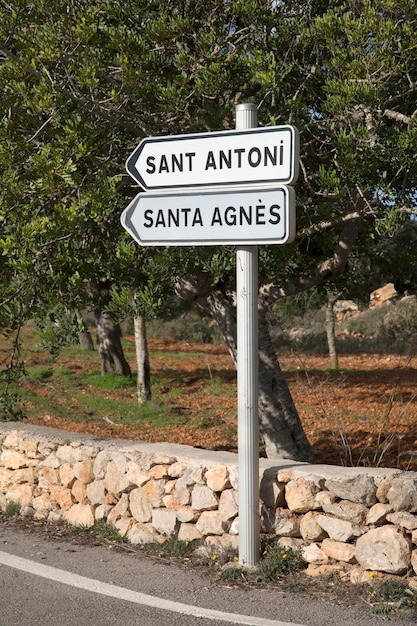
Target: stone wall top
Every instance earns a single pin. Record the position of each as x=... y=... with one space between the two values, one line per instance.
x=283 y=469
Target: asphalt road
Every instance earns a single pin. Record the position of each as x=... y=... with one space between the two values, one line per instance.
x=47 y=583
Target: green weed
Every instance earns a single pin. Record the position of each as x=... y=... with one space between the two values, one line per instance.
x=12 y=509
x=390 y=596
x=109 y=381
x=100 y=530
x=177 y=549
x=278 y=561
x=40 y=372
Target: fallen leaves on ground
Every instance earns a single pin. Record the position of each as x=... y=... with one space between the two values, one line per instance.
x=362 y=414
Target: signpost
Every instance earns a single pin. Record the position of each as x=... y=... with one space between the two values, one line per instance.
x=208 y=217
x=230 y=188
x=237 y=157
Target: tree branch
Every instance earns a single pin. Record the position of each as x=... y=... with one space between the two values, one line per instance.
x=328 y=269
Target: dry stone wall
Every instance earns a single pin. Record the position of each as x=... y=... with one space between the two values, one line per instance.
x=362 y=519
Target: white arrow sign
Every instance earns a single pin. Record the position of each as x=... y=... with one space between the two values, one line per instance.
x=208 y=217
x=253 y=156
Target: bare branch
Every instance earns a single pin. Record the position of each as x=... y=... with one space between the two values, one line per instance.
x=397 y=116
x=328 y=269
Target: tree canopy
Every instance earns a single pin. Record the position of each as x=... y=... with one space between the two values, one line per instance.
x=84 y=80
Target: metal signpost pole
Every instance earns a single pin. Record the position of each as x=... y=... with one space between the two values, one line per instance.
x=247 y=372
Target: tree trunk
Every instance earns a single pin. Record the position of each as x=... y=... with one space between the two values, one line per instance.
x=84 y=335
x=279 y=422
x=330 y=330
x=110 y=346
x=142 y=360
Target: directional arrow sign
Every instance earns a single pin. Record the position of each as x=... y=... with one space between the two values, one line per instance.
x=208 y=217
x=236 y=157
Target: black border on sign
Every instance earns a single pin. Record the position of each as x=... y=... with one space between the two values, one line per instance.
x=135 y=174
x=126 y=220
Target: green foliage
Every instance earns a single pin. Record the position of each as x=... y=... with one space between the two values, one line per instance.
x=109 y=381
x=12 y=406
x=399 y=325
x=189 y=327
x=82 y=87
x=101 y=530
x=174 y=548
x=12 y=509
x=278 y=561
x=40 y=372
x=390 y=596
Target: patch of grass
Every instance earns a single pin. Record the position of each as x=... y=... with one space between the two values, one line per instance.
x=109 y=381
x=174 y=548
x=391 y=596
x=40 y=372
x=12 y=509
x=279 y=561
x=101 y=530
x=61 y=372
x=229 y=574
x=216 y=386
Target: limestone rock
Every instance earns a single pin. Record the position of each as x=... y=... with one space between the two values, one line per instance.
x=338 y=529
x=154 y=490
x=83 y=470
x=115 y=479
x=66 y=475
x=218 y=543
x=79 y=491
x=13 y=460
x=385 y=549
x=188 y=532
x=96 y=492
x=142 y=534
x=119 y=510
x=339 y=551
x=324 y=569
x=187 y=514
x=165 y=521
x=387 y=293
x=62 y=496
x=383 y=487
x=123 y=525
x=210 y=523
x=403 y=519
x=217 y=478
x=271 y=492
x=159 y=471
x=228 y=505
x=281 y=522
x=350 y=511
x=21 y=494
x=294 y=543
x=378 y=513
x=310 y=530
x=300 y=494
x=203 y=498
x=361 y=489
x=234 y=527
x=403 y=493
x=312 y=553
x=176 y=470
x=182 y=491
x=140 y=507
x=80 y=515
x=324 y=498
x=135 y=476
